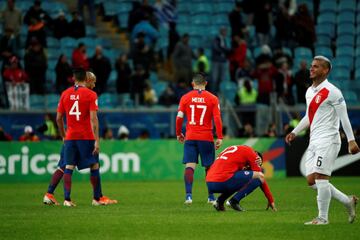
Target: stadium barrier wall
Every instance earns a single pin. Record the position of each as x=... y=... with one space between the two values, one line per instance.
x=345 y=165
x=123 y=160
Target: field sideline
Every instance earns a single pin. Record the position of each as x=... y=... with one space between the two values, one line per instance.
x=155 y=210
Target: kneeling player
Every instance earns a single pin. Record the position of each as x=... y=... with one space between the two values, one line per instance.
x=237 y=172
x=49 y=198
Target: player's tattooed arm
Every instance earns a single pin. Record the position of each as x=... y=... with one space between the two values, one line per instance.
x=95 y=128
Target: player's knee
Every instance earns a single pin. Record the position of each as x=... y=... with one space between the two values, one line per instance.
x=71 y=167
x=94 y=166
x=259 y=175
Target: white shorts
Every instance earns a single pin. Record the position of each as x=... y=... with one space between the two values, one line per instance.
x=320 y=158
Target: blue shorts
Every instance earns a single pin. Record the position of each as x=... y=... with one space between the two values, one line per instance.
x=62 y=163
x=194 y=148
x=79 y=153
x=234 y=184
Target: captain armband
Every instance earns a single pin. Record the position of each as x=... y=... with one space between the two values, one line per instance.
x=180 y=114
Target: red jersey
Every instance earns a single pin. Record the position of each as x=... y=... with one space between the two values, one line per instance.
x=233 y=159
x=77 y=102
x=200 y=108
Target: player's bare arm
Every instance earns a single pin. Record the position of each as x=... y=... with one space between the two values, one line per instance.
x=353 y=147
x=181 y=138
x=218 y=143
x=60 y=124
x=272 y=206
x=290 y=137
x=95 y=127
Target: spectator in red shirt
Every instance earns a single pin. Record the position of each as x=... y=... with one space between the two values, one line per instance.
x=29 y=135
x=79 y=57
x=237 y=56
x=14 y=73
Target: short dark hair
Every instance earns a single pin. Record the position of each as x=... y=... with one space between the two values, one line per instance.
x=79 y=74
x=260 y=155
x=199 y=79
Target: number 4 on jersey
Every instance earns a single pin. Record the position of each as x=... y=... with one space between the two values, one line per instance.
x=75 y=110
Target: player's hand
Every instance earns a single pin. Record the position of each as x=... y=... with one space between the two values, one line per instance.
x=353 y=147
x=218 y=143
x=181 y=138
x=290 y=137
x=96 y=148
x=272 y=206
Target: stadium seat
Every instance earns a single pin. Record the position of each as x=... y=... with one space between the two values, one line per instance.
x=328 y=6
x=350 y=97
x=325 y=29
x=201 y=7
x=340 y=73
x=287 y=51
x=183 y=19
x=68 y=42
x=224 y=7
x=322 y=40
x=159 y=87
x=182 y=6
x=37 y=101
x=111 y=84
x=125 y=100
x=346 y=17
x=105 y=43
x=107 y=101
x=344 y=51
x=220 y=20
x=228 y=90
x=345 y=28
x=91 y=31
x=111 y=8
x=88 y=41
x=53 y=53
x=51 y=101
x=325 y=51
x=302 y=52
x=52 y=64
x=350 y=85
x=347 y=6
x=52 y=42
x=345 y=40
x=200 y=19
x=357 y=74
x=327 y=17
x=343 y=61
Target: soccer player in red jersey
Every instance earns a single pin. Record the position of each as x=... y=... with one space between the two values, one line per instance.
x=237 y=170
x=200 y=107
x=49 y=197
x=81 y=139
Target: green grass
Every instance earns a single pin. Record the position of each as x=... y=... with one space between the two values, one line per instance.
x=155 y=210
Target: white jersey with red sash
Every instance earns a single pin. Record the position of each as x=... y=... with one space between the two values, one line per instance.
x=324 y=121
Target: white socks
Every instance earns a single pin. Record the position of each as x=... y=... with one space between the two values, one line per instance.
x=335 y=193
x=323 y=197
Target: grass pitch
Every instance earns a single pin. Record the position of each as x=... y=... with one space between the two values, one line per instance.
x=155 y=210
